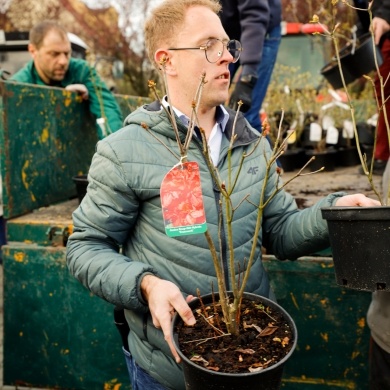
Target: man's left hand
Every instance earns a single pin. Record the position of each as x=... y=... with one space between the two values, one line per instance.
x=357 y=200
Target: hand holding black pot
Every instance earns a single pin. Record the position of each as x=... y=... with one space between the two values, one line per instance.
x=357 y=200
x=358 y=238
x=164 y=298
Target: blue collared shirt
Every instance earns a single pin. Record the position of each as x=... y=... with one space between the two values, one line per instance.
x=215 y=139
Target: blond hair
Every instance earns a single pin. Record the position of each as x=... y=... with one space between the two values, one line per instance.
x=161 y=26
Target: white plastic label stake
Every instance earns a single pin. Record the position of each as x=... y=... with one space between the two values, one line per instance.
x=348 y=129
x=315 y=132
x=332 y=135
x=102 y=124
x=327 y=121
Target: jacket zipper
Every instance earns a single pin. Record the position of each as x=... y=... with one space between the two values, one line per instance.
x=223 y=241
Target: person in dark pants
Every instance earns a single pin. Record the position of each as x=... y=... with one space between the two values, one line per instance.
x=257 y=25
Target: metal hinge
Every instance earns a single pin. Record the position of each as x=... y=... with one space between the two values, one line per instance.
x=58 y=235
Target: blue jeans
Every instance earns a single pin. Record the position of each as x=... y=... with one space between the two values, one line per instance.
x=140 y=379
x=264 y=73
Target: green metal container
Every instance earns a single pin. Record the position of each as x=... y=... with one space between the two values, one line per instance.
x=333 y=337
x=56 y=333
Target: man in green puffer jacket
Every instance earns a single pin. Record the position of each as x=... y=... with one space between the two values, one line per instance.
x=119 y=249
x=52 y=65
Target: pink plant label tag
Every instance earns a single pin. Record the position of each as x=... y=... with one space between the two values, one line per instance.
x=182 y=201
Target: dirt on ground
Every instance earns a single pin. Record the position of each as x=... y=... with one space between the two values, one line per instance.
x=308 y=188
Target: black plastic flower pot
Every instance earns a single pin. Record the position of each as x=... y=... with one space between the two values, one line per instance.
x=81 y=182
x=348 y=156
x=326 y=159
x=200 y=378
x=362 y=61
x=366 y=133
x=331 y=73
x=291 y=159
x=359 y=239
x=355 y=62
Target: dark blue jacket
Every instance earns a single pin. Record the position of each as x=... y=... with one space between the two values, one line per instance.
x=381 y=9
x=248 y=21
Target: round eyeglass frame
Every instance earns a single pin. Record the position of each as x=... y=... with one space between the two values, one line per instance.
x=233 y=42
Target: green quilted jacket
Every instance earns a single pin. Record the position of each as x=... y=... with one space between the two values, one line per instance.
x=119 y=233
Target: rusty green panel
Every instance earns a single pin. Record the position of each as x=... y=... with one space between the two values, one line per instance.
x=46 y=226
x=333 y=338
x=47 y=136
x=129 y=103
x=56 y=334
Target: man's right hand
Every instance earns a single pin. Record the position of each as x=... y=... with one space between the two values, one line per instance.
x=81 y=89
x=164 y=298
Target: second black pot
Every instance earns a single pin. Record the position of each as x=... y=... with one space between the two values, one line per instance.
x=325 y=159
x=359 y=238
x=348 y=156
x=354 y=63
x=292 y=159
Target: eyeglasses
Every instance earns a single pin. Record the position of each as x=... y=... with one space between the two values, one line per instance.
x=213 y=49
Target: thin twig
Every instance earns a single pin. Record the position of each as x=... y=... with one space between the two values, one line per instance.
x=201 y=341
x=209 y=323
